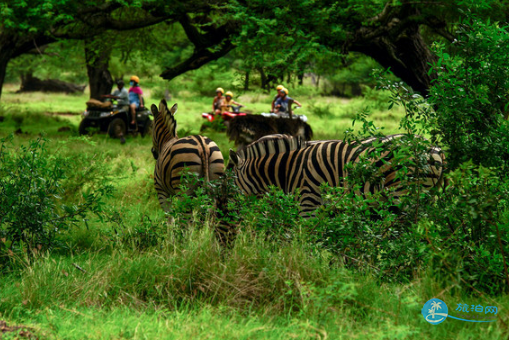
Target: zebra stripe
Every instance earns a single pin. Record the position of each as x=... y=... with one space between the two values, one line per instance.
x=199 y=154
x=290 y=164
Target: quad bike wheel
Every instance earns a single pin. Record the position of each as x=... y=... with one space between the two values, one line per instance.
x=117 y=128
x=147 y=130
x=83 y=128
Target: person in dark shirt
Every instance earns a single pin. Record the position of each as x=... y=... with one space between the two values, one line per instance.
x=283 y=103
x=278 y=88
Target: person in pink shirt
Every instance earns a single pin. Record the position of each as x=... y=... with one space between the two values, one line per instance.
x=135 y=97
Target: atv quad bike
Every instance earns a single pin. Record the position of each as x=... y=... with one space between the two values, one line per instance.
x=219 y=122
x=116 y=121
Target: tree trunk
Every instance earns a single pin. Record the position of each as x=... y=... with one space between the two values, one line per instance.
x=398 y=44
x=270 y=80
x=246 y=81
x=97 y=56
x=4 y=60
x=263 y=78
x=356 y=89
x=301 y=78
x=409 y=59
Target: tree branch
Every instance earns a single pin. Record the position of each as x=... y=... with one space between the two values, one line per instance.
x=198 y=59
x=382 y=16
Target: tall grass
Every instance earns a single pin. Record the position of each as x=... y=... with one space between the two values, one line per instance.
x=133 y=276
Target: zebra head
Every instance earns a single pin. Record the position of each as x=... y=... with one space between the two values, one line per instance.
x=236 y=160
x=236 y=163
x=165 y=126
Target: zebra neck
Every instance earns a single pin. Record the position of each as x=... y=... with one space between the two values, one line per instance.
x=166 y=140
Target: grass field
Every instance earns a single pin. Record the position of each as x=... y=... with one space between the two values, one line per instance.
x=99 y=283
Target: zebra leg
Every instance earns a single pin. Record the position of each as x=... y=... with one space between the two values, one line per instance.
x=165 y=205
x=310 y=199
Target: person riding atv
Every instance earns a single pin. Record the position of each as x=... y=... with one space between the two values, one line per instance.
x=282 y=106
x=115 y=118
x=120 y=94
x=228 y=102
x=228 y=110
x=284 y=103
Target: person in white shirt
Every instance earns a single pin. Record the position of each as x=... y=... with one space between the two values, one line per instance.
x=120 y=94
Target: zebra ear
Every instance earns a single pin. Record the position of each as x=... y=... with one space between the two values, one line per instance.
x=163 y=108
x=154 y=110
x=234 y=158
x=173 y=109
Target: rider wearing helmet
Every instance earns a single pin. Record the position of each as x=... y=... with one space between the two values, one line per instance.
x=278 y=88
x=218 y=101
x=135 y=97
x=283 y=103
x=228 y=102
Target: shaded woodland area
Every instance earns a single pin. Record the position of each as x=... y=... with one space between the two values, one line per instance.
x=277 y=43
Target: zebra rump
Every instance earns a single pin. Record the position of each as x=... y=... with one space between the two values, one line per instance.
x=291 y=164
x=199 y=154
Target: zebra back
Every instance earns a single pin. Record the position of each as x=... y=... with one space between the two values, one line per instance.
x=198 y=154
x=305 y=166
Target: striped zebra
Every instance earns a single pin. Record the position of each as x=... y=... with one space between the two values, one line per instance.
x=197 y=153
x=291 y=164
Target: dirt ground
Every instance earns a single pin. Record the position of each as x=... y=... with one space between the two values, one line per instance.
x=21 y=332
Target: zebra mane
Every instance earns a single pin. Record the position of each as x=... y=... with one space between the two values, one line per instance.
x=271 y=144
x=167 y=118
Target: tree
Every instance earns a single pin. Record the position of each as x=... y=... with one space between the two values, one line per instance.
x=50 y=20
x=26 y=27
x=97 y=55
x=391 y=32
x=276 y=39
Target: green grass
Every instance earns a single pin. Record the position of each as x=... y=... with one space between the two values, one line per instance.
x=186 y=286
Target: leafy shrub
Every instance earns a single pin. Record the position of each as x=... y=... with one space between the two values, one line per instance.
x=469 y=95
x=467 y=233
x=32 y=213
x=207 y=79
x=461 y=237
x=193 y=202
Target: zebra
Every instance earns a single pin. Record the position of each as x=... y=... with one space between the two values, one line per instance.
x=199 y=154
x=290 y=164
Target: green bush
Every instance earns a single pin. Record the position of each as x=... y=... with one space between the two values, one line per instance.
x=461 y=237
x=32 y=212
x=467 y=233
x=470 y=95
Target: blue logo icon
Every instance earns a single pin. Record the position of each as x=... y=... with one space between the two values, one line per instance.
x=435 y=311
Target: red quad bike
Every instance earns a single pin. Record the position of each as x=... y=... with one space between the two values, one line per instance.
x=214 y=122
